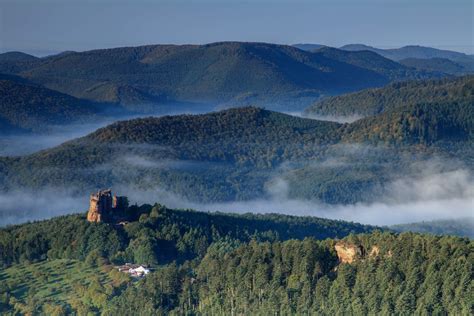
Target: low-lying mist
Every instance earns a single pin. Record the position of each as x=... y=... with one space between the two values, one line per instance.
x=430 y=196
x=427 y=190
x=331 y=118
x=444 y=195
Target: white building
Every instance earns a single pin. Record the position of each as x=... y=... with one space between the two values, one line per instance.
x=139 y=271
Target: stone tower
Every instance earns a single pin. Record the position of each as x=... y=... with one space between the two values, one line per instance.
x=103 y=204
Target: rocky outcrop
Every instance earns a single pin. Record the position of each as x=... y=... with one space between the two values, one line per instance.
x=349 y=253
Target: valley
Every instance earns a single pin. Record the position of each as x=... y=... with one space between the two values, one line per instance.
x=240 y=178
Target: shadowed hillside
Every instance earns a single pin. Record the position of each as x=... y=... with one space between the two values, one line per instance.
x=30 y=107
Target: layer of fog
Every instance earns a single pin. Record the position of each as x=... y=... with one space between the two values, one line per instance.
x=23 y=144
x=21 y=206
x=427 y=196
x=445 y=195
x=331 y=118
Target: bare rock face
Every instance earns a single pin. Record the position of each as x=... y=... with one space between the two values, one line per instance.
x=348 y=253
x=103 y=204
x=374 y=252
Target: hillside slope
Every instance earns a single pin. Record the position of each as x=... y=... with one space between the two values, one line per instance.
x=375 y=101
x=217 y=263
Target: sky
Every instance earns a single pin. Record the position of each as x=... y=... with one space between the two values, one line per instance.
x=43 y=27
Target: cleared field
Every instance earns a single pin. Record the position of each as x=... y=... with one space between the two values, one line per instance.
x=58 y=284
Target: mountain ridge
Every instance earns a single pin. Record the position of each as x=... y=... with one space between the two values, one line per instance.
x=417 y=51
x=215 y=73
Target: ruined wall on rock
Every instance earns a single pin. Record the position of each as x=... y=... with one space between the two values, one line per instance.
x=103 y=205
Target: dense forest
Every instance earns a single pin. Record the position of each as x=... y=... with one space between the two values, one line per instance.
x=422 y=123
x=157 y=234
x=214 y=263
x=409 y=93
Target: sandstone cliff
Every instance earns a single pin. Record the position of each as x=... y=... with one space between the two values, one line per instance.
x=349 y=253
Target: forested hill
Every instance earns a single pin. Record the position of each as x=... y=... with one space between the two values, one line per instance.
x=230 y=264
x=158 y=235
x=463 y=227
x=237 y=153
x=422 y=123
x=31 y=107
x=242 y=126
x=215 y=73
x=375 y=101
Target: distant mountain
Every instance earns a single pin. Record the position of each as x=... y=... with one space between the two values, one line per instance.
x=442 y=65
x=419 y=52
x=16 y=57
x=375 y=101
x=218 y=73
x=462 y=227
x=410 y=51
x=243 y=153
x=308 y=47
x=374 y=62
x=15 y=62
x=30 y=107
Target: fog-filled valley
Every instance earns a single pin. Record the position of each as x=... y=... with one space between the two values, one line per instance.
x=389 y=155
x=250 y=160
x=191 y=158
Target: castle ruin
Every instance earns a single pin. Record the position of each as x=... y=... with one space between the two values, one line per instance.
x=103 y=205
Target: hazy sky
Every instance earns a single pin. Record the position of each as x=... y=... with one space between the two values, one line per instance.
x=45 y=26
